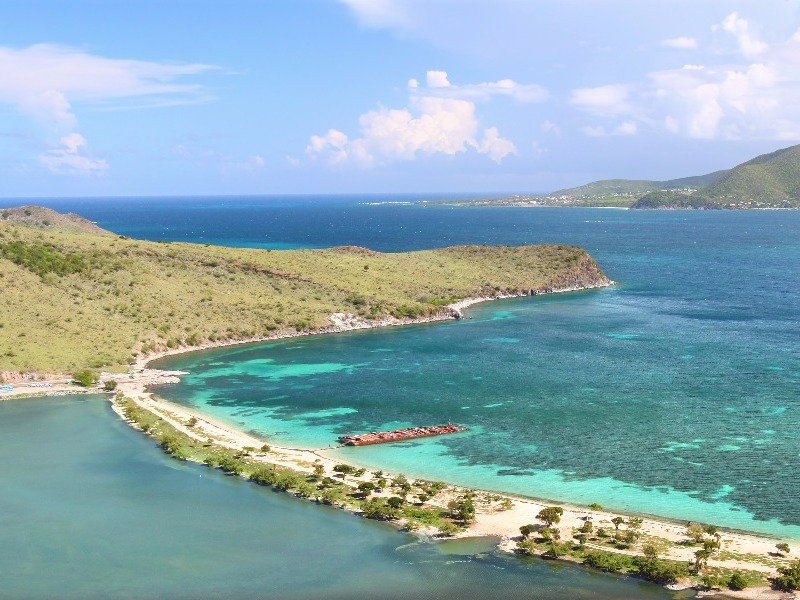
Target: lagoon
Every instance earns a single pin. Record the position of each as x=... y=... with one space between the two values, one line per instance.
x=93 y=509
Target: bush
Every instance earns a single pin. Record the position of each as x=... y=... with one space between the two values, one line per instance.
x=737 y=581
x=172 y=445
x=609 y=561
x=378 y=508
x=788 y=578
x=230 y=465
x=85 y=378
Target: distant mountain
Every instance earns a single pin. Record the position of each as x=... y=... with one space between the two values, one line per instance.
x=606 y=187
x=767 y=181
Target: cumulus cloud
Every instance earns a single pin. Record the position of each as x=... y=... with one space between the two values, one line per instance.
x=46 y=81
x=752 y=96
x=740 y=28
x=430 y=124
x=69 y=158
x=680 y=43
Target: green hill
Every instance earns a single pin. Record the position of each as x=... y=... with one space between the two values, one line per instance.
x=72 y=300
x=40 y=217
x=767 y=181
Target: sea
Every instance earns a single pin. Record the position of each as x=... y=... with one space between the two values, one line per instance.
x=673 y=393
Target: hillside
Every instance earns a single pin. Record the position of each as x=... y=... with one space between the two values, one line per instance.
x=633 y=187
x=40 y=217
x=767 y=181
x=73 y=300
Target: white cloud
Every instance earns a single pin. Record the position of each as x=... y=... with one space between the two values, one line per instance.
x=753 y=96
x=603 y=101
x=749 y=45
x=69 y=158
x=378 y=13
x=680 y=43
x=438 y=84
x=226 y=165
x=437 y=79
x=431 y=124
x=45 y=81
x=495 y=146
x=550 y=127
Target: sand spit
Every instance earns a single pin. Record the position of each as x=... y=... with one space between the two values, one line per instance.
x=750 y=552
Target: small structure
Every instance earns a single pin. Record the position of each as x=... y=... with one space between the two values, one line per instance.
x=398 y=435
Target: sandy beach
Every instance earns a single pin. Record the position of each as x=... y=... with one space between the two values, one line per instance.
x=748 y=551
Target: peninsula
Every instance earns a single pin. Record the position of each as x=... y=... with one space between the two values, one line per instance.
x=85 y=298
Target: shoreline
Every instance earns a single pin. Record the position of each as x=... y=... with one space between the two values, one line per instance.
x=500 y=524
x=503 y=525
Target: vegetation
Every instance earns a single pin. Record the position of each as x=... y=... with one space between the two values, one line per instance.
x=767 y=181
x=788 y=578
x=86 y=299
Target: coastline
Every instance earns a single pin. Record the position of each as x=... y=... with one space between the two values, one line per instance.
x=502 y=524
x=494 y=523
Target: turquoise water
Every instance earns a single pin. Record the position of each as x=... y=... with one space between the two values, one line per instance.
x=92 y=509
x=674 y=393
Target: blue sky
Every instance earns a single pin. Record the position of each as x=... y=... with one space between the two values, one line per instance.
x=178 y=97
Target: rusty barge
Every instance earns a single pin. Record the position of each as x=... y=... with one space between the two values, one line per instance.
x=398 y=435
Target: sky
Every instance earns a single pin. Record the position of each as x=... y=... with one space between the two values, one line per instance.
x=186 y=97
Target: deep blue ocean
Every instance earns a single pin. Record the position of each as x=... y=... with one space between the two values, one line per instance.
x=673 y=393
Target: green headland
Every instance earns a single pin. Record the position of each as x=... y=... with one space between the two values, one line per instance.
x=77 y=297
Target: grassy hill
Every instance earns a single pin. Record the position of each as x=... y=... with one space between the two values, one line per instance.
x=75 y=299
x=767 y=181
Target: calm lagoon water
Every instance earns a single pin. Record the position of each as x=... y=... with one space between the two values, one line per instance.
x=92 y=509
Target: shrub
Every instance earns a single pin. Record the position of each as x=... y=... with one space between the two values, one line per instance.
x=737 y=581
x=788 y=578
x=85 y=378
x=230 y=465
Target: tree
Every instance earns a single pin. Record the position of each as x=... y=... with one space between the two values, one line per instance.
x=366 y=487
x=650 y=551
x=788 y=578
x=694 y=531
x=550 y=515
x=395 y=502
x=378 y=508
x=462 y=509
x=783 y=548
x=527 y=530
x=109 y=385
x=319 y=470
x=343 y=469
x=85 y=378
x=737 y=581
x=617 y=521
x=635 y=523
